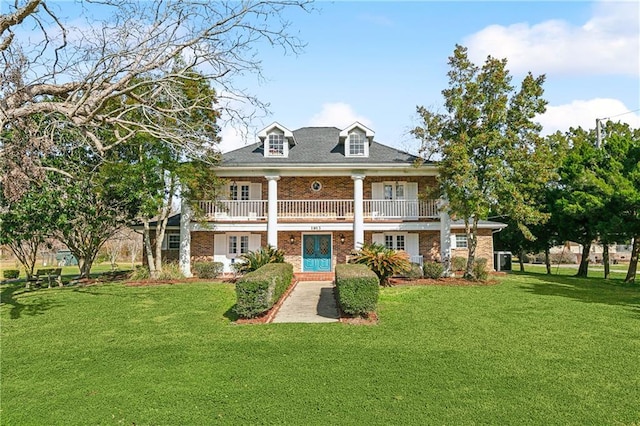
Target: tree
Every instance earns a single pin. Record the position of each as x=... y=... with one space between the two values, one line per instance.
x=491 y=155
x=581 y=201
x=124 y=58
x=24 y=227
x=622 y=148
x=152 y=171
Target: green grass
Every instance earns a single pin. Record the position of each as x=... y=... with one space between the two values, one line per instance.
x=530 y=350
x=595 y=271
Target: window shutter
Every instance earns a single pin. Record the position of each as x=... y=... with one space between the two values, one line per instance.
x=377 y=238
x=255 y=191
x=219 y=244
x=412 y=191
x=453 y=241
x=413 y=244
x=254 y=242
x=377 y=191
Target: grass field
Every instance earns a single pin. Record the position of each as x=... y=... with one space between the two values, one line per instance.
x=532 y=349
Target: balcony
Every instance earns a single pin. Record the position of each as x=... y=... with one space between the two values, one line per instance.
x=374 y=210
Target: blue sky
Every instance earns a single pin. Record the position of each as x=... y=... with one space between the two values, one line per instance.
x=376 y=61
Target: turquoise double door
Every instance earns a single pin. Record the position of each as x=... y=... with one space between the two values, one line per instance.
x=316 y=253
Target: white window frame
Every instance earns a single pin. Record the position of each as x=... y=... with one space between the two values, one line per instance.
x=171 y=241
x=460 y=241
x=394 y=185
x=239 y=249
x=239 y=194
x=361 y=139
x=276 y=145
x=396 y=237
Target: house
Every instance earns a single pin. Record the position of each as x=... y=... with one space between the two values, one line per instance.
x=317 y=193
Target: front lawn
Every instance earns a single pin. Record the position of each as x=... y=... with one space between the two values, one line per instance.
x=531 y=350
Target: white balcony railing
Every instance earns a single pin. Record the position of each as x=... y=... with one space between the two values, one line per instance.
x=302 y=209
x=320 y=209
x=400 y=209
x=236 y=210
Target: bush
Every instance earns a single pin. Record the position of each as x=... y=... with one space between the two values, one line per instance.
x=140 y=273
x=357 y=289
x=258 y=291
x=170 y=271
x=433 y=270
x=384 y=262
x=11 y=274
x=480 y=269
x=458 y=263
x=565 y=257
x=414 y=273
x=208 y=269
x=254 y=260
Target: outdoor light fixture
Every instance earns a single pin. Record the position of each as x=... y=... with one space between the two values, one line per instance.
x=341 y=238
x=292 y=239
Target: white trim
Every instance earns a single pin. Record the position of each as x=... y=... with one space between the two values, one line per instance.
x=357 y=125
x=313 y=169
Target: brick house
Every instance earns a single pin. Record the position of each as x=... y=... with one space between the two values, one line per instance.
x=317 y=193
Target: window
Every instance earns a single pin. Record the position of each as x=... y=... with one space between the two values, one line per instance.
x=316 y=186
x=394 y=241
x=393 y=191
x=239 y=190
x=276 y=145
x=171 y=242
x=238 y=244
x=356 y=144
x=461 y=241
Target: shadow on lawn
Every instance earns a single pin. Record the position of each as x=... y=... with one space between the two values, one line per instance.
x=35 y=305
x=587 y=290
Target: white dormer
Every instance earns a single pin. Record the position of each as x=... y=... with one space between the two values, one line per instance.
x=276 y=140
x=356 y=139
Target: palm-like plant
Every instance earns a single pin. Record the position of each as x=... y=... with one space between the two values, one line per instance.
x=384 y=262
x=253 y=260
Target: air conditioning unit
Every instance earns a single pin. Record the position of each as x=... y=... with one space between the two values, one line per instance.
x=502 y=260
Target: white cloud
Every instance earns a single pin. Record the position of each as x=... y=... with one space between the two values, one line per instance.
x=583 y=113
x=338 y=114
x=608 y=43
x=232 y=138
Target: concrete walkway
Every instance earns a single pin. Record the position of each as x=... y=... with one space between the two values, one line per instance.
x=310 y=301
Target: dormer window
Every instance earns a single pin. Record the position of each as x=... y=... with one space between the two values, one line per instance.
x=356 y=139
x=276 y=145
x=356 y=144
x=276 y=140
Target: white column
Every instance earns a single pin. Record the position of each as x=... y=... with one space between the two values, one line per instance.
x=358 y=211
x=445 y=237
x=185 y=239
x=272 y=211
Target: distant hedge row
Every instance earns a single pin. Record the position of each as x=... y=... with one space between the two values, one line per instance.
x=258 y=291
x=357 y=289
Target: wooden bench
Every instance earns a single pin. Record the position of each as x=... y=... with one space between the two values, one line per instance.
x=48 y=274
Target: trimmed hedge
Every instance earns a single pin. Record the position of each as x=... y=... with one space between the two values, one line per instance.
x=357 y=289
x=258 y=291
x=208 y=269
x=10 y=273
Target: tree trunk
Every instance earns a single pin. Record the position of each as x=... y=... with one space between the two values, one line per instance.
x=633 y=263
x=151 y=264
x=605 y=260
x=547 y=260
x=583 y=270
x=472 y=243
x=521 y=260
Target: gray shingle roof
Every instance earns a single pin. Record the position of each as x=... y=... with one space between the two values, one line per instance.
x=317 y=145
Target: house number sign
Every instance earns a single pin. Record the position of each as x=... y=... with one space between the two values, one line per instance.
x=316 y=228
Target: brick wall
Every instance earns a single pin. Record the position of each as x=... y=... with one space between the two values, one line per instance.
x=484 y=248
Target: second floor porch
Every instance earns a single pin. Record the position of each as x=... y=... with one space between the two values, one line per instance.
x=325 y=210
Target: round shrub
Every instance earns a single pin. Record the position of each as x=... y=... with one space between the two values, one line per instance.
x=10 y=274
x=433 y=270
x=459 y=263
x=414 y=273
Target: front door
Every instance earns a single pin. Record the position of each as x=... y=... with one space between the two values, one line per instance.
x=316 y=253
